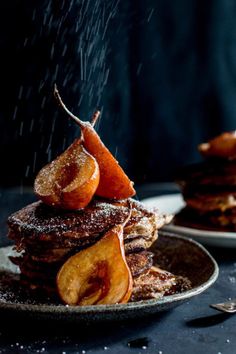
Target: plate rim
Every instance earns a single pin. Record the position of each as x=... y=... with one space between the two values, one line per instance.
x=119 y=308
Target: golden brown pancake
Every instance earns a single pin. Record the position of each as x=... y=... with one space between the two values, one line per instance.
x=38 y=222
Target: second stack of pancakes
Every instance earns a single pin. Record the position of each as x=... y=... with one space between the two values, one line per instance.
x=209 y=190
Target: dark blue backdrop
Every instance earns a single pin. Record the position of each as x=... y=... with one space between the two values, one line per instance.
x=162 y=71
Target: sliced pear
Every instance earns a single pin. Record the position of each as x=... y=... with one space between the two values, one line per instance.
x=114 y=183
x=69 y=181
x=97 y=275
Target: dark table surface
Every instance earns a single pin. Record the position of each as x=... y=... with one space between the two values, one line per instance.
x=190 y=328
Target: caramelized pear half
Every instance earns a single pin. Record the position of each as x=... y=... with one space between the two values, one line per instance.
x=223 y=146
x=97 y=275
x=114 y=183
x=70 y=181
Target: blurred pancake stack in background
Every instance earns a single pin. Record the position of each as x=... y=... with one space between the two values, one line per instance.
x=209 y=187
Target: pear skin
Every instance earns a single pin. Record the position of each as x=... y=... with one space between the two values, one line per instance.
x=97 y=275
x=70 y=181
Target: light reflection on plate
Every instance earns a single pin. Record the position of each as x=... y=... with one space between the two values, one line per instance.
x=173 y=203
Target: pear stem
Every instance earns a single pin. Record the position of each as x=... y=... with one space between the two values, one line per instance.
x=63 y=106
x=76 y=119
x=95 y=117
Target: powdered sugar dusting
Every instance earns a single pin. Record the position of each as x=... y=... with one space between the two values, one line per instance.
x=37 y=219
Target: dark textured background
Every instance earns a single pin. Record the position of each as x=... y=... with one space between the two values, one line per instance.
x=162 y=71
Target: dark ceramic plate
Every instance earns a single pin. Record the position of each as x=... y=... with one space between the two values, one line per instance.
x=179 y=255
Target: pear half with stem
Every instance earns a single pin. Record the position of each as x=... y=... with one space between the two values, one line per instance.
x=97 y=275
x=69 y=181
x=114 y=183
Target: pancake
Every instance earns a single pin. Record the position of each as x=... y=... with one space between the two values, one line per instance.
x=139 y=262
x=213 y=173
x=156 y=283
x=38 y=222
x=212 y=221
x=153 y=284
x=49 y=256
x=44 y=271
x=206 y=202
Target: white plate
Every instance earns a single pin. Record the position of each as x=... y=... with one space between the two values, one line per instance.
x=172 y=204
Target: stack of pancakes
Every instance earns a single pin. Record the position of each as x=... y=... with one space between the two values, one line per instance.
x=46 y=237
x=209 y=190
